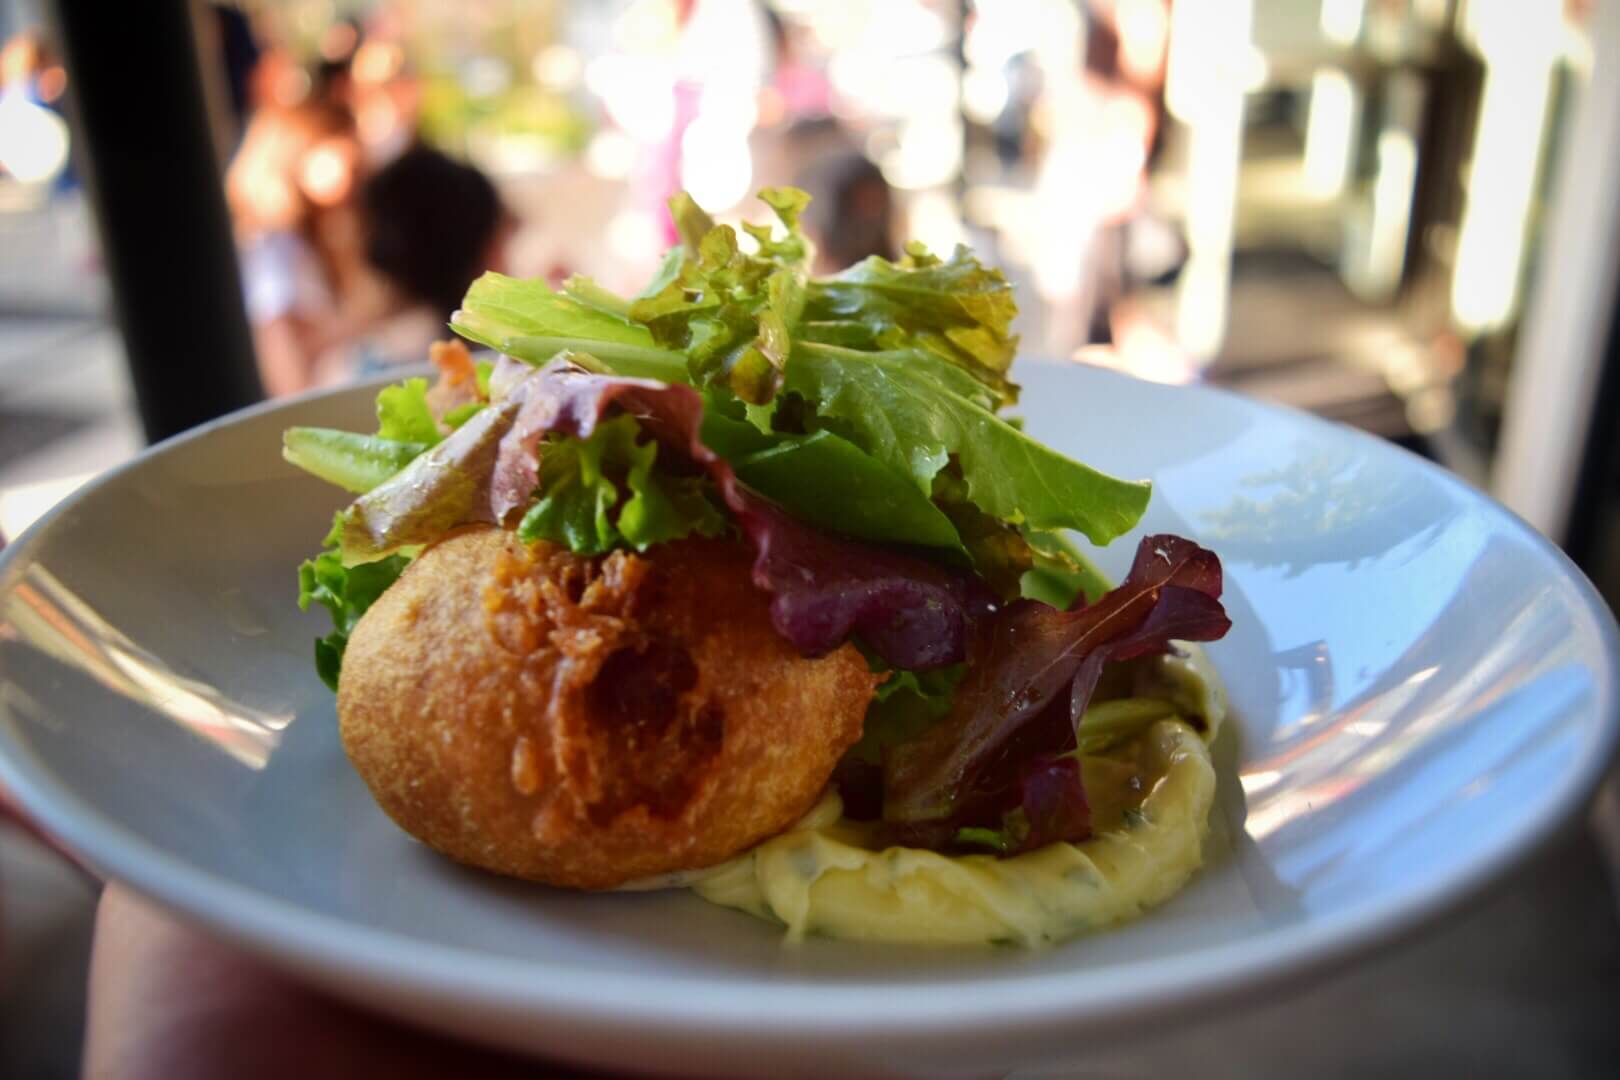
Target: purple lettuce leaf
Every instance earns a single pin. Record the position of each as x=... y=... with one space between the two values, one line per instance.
x=824 y=589
x=912 y=613
x=1031 y=672
x=563 y=398
x=1052 y=803
x=447 y=486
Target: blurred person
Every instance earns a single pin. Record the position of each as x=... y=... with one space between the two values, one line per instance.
x=431 y=225
x=291 y=190
x=1103 y=117
x=1011 y=126
x=29 y=70
x=798 y=87
x=386 y=98
x=228 y=35
x=276 y=79
x=851 y=213
x=332 y=78
x=35 y=146
x=716 y=61
x=1126 y=50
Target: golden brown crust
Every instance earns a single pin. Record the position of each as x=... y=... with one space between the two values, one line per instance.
x=587 y=722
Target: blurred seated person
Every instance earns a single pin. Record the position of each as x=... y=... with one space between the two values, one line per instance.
x=431 y=226
x=35 y=146
x=291 y=189
x=851 y=212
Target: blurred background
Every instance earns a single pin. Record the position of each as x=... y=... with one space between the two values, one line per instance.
x=1341 y=205
x=1398 y=214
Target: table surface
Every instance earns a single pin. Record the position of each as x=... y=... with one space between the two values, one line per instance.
x=1524 y=981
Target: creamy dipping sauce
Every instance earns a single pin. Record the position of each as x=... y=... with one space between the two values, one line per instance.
x=1150 y=799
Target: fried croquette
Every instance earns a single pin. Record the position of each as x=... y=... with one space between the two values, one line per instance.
x=590 y=721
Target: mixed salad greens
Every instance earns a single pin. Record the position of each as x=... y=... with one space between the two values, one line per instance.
x=849 y=428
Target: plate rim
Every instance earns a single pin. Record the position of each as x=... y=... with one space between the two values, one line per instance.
x=343 y=953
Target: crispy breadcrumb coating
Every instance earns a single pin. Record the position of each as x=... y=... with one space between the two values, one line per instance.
x=587 y=722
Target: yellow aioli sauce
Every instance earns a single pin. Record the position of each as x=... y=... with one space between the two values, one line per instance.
x=1150 y=799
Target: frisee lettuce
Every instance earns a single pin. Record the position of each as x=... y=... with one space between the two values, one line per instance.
x=957 y=309
x=346 y=592
x=863 y=404
x=403 y=414
x=603 y=492
x=730 y=312
x=905 y=360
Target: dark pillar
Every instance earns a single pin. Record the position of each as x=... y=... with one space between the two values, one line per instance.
x=142 y=129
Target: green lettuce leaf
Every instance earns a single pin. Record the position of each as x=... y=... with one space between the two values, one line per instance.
x=669 y=268
x=403 y=413
x=692 y=222
x=957 y=309
x=406 y=428
x=529 y=321
x=915 y=412
x=463 y=413
x=586 y=291
x=998 y=551
x=1003 y=841
x=346 y=592
x=730 y=312
x=906 y=705
x=1015 y=559
x=604 y=492
x=1059 y=572
x=352 y=461
x=829 y=482
x=498 y=307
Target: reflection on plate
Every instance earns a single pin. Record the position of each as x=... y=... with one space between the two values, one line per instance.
x=1423 y=690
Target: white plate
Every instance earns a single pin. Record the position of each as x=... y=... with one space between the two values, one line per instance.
x=1424 y=689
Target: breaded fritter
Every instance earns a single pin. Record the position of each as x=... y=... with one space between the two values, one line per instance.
x=590 y=721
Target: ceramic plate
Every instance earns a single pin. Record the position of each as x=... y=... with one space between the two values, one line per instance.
x=1424 y=689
